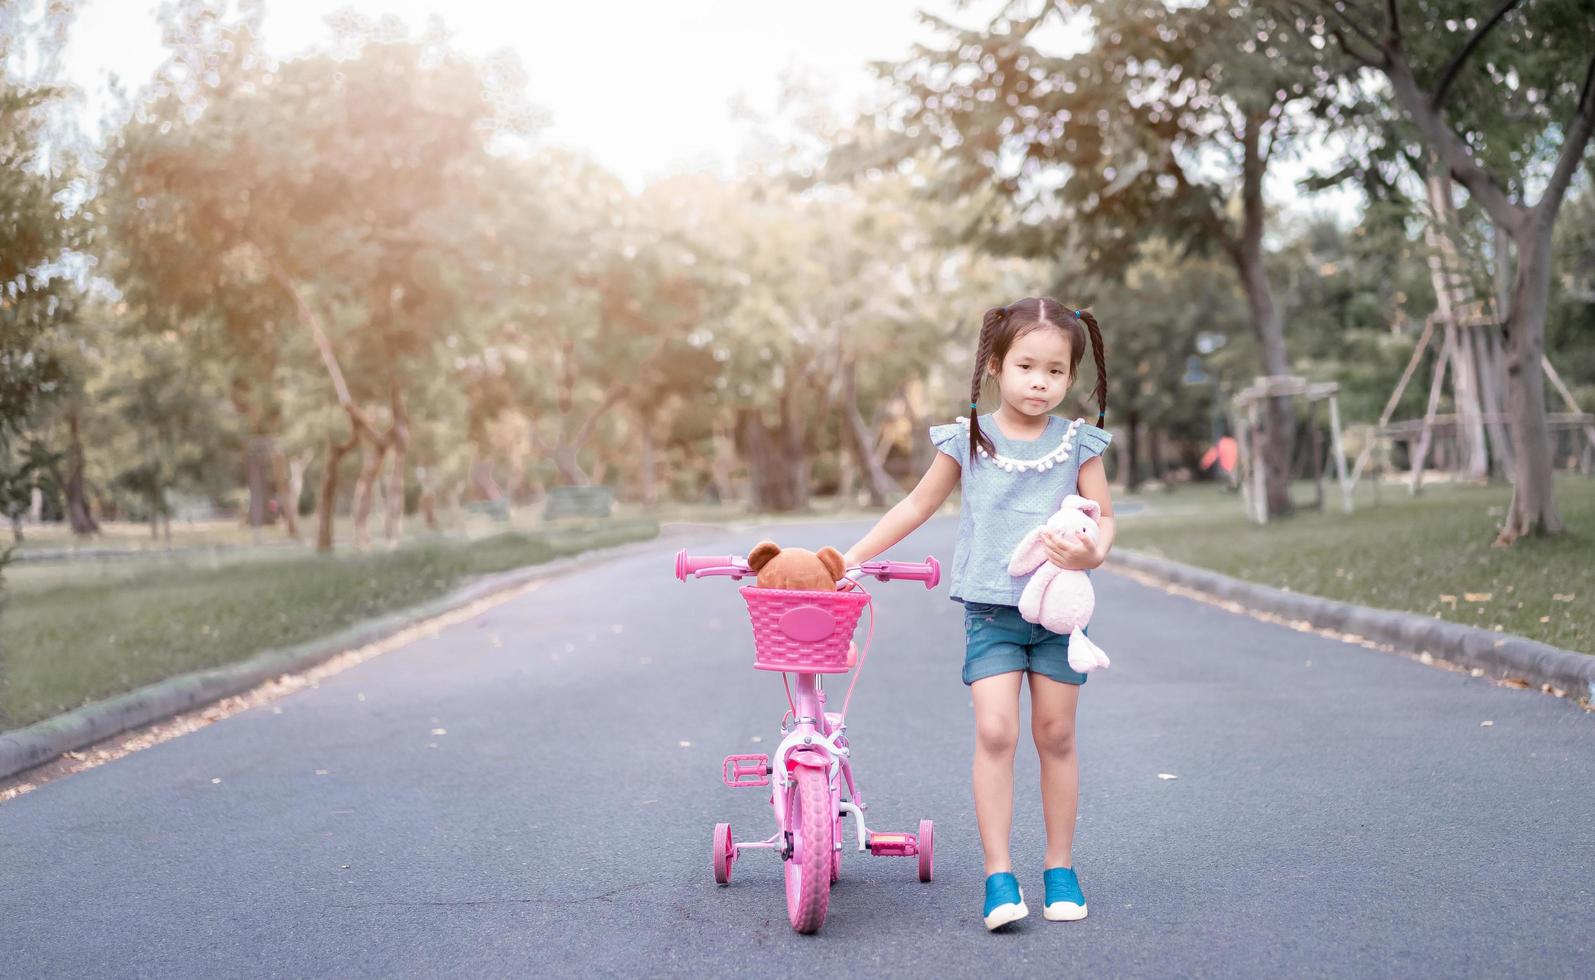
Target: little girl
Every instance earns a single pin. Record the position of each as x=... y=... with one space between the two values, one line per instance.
x=1015 y=466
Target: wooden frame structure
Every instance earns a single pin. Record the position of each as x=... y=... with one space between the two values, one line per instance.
x=1245 y=420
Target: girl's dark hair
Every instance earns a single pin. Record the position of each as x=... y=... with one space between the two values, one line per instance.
x=1003 y=325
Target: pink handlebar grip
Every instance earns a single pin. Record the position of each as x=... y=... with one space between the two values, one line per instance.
x=927 y=571
x=687 y=565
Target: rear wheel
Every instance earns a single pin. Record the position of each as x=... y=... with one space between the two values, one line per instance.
x=724 y=853
x=808 y=870
x=927 y=849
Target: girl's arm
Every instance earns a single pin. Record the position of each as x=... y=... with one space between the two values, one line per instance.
x=910 y=512
x=1076 y=550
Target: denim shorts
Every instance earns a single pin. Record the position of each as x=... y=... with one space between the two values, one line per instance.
x=998 y=640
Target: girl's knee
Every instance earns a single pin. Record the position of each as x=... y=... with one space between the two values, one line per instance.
x=997 y=736
x=1053 y=737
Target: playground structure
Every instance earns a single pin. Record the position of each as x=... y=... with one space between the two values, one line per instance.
x=1475 y=437
x=1246 y=423
x=1473 y=440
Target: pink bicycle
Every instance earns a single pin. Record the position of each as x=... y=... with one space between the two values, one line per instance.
x=810 y=634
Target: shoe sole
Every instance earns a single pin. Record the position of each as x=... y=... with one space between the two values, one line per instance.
x=1064 y=912
x=1004 y=914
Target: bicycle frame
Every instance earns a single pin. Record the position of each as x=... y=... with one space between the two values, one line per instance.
x=816 y=740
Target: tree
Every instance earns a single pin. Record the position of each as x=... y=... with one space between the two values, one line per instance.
x=1447 y=71
x=1162 y=128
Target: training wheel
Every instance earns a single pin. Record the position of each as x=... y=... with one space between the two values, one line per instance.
x=724 y=853
x=927 y=848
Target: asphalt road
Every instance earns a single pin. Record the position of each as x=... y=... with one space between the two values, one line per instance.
x=532 y=793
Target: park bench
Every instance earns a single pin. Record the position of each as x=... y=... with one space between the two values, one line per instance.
x=578 y=502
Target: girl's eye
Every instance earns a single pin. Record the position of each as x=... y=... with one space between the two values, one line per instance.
x=1057 y=372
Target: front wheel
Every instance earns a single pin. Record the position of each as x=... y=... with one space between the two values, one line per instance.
x=808 y=870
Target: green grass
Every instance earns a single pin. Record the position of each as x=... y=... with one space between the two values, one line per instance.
x=77 y=633
x=1429 y=554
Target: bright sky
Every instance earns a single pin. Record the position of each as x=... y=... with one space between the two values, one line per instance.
x=644 y=86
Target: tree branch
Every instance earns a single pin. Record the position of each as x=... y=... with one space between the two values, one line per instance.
x=1481 y=184
x=1455 y=65
x=1366 y=61
x=1393 y=13
x=1578 y=134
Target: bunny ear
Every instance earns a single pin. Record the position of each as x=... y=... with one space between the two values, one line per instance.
x=1085 y=505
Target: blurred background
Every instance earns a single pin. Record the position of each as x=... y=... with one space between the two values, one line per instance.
x=441 y=289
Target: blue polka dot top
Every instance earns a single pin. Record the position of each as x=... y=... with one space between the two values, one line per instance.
x=1006 y=495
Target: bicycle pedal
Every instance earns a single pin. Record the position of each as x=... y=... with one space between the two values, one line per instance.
x=893 y=845
x=745 y=770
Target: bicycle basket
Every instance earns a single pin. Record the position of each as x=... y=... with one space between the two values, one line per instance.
x=802 y=631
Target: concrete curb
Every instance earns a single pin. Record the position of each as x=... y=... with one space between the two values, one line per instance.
x=37 y=744
x=1499 y=655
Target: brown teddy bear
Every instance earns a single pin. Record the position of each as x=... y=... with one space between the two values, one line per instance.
x=795 y=568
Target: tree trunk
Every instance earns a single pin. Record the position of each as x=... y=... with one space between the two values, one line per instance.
x=725 y=458
x=861 y=442
x=371 y=456
x=1132 y=450
x=77 y=504
x=1154 y=447
x=1276 y=445
x=289 y=477
x=778 y=476
x=649 y=475
x=328 y=497
x=1277 y=440
x=1533 y=510
x=398 y=441
x=258 y=451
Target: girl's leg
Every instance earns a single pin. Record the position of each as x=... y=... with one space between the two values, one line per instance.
x=996 y=736
x=1052 y=707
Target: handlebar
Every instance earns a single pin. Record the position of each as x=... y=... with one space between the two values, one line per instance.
x=736 y=566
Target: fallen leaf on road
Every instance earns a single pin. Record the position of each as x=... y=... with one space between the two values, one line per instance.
x=1425 y=658
x=1486 y=724
x=215 y=781
x=1559 y=597
x=440 y=731
x=758 y=738
x=1451 y=600
x=321 y=772
x=1478 y=596
x=1545 y=619
x=1167 y=775
x=685 y=745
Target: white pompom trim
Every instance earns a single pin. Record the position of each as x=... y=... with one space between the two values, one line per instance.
x=1041 y=464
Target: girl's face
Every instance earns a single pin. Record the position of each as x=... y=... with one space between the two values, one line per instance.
x=1035 y=374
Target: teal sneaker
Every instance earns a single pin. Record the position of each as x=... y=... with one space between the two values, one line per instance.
x=1005 y=903
x=1065 y=900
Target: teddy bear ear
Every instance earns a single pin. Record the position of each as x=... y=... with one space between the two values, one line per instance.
x=1084 y=505
x=833 y=561
x=762 y=553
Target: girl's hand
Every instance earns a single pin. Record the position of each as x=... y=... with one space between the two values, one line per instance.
x=1074 y=550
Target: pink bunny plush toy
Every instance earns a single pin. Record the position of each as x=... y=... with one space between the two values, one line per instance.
x=1061 y=599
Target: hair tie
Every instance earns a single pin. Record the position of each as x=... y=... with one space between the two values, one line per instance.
x=1077 y=313
x=973 y=404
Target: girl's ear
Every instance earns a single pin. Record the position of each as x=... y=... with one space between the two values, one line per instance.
x=762 y=553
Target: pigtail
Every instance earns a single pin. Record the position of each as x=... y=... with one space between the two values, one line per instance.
x=1100 y=357
x=983 y=351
